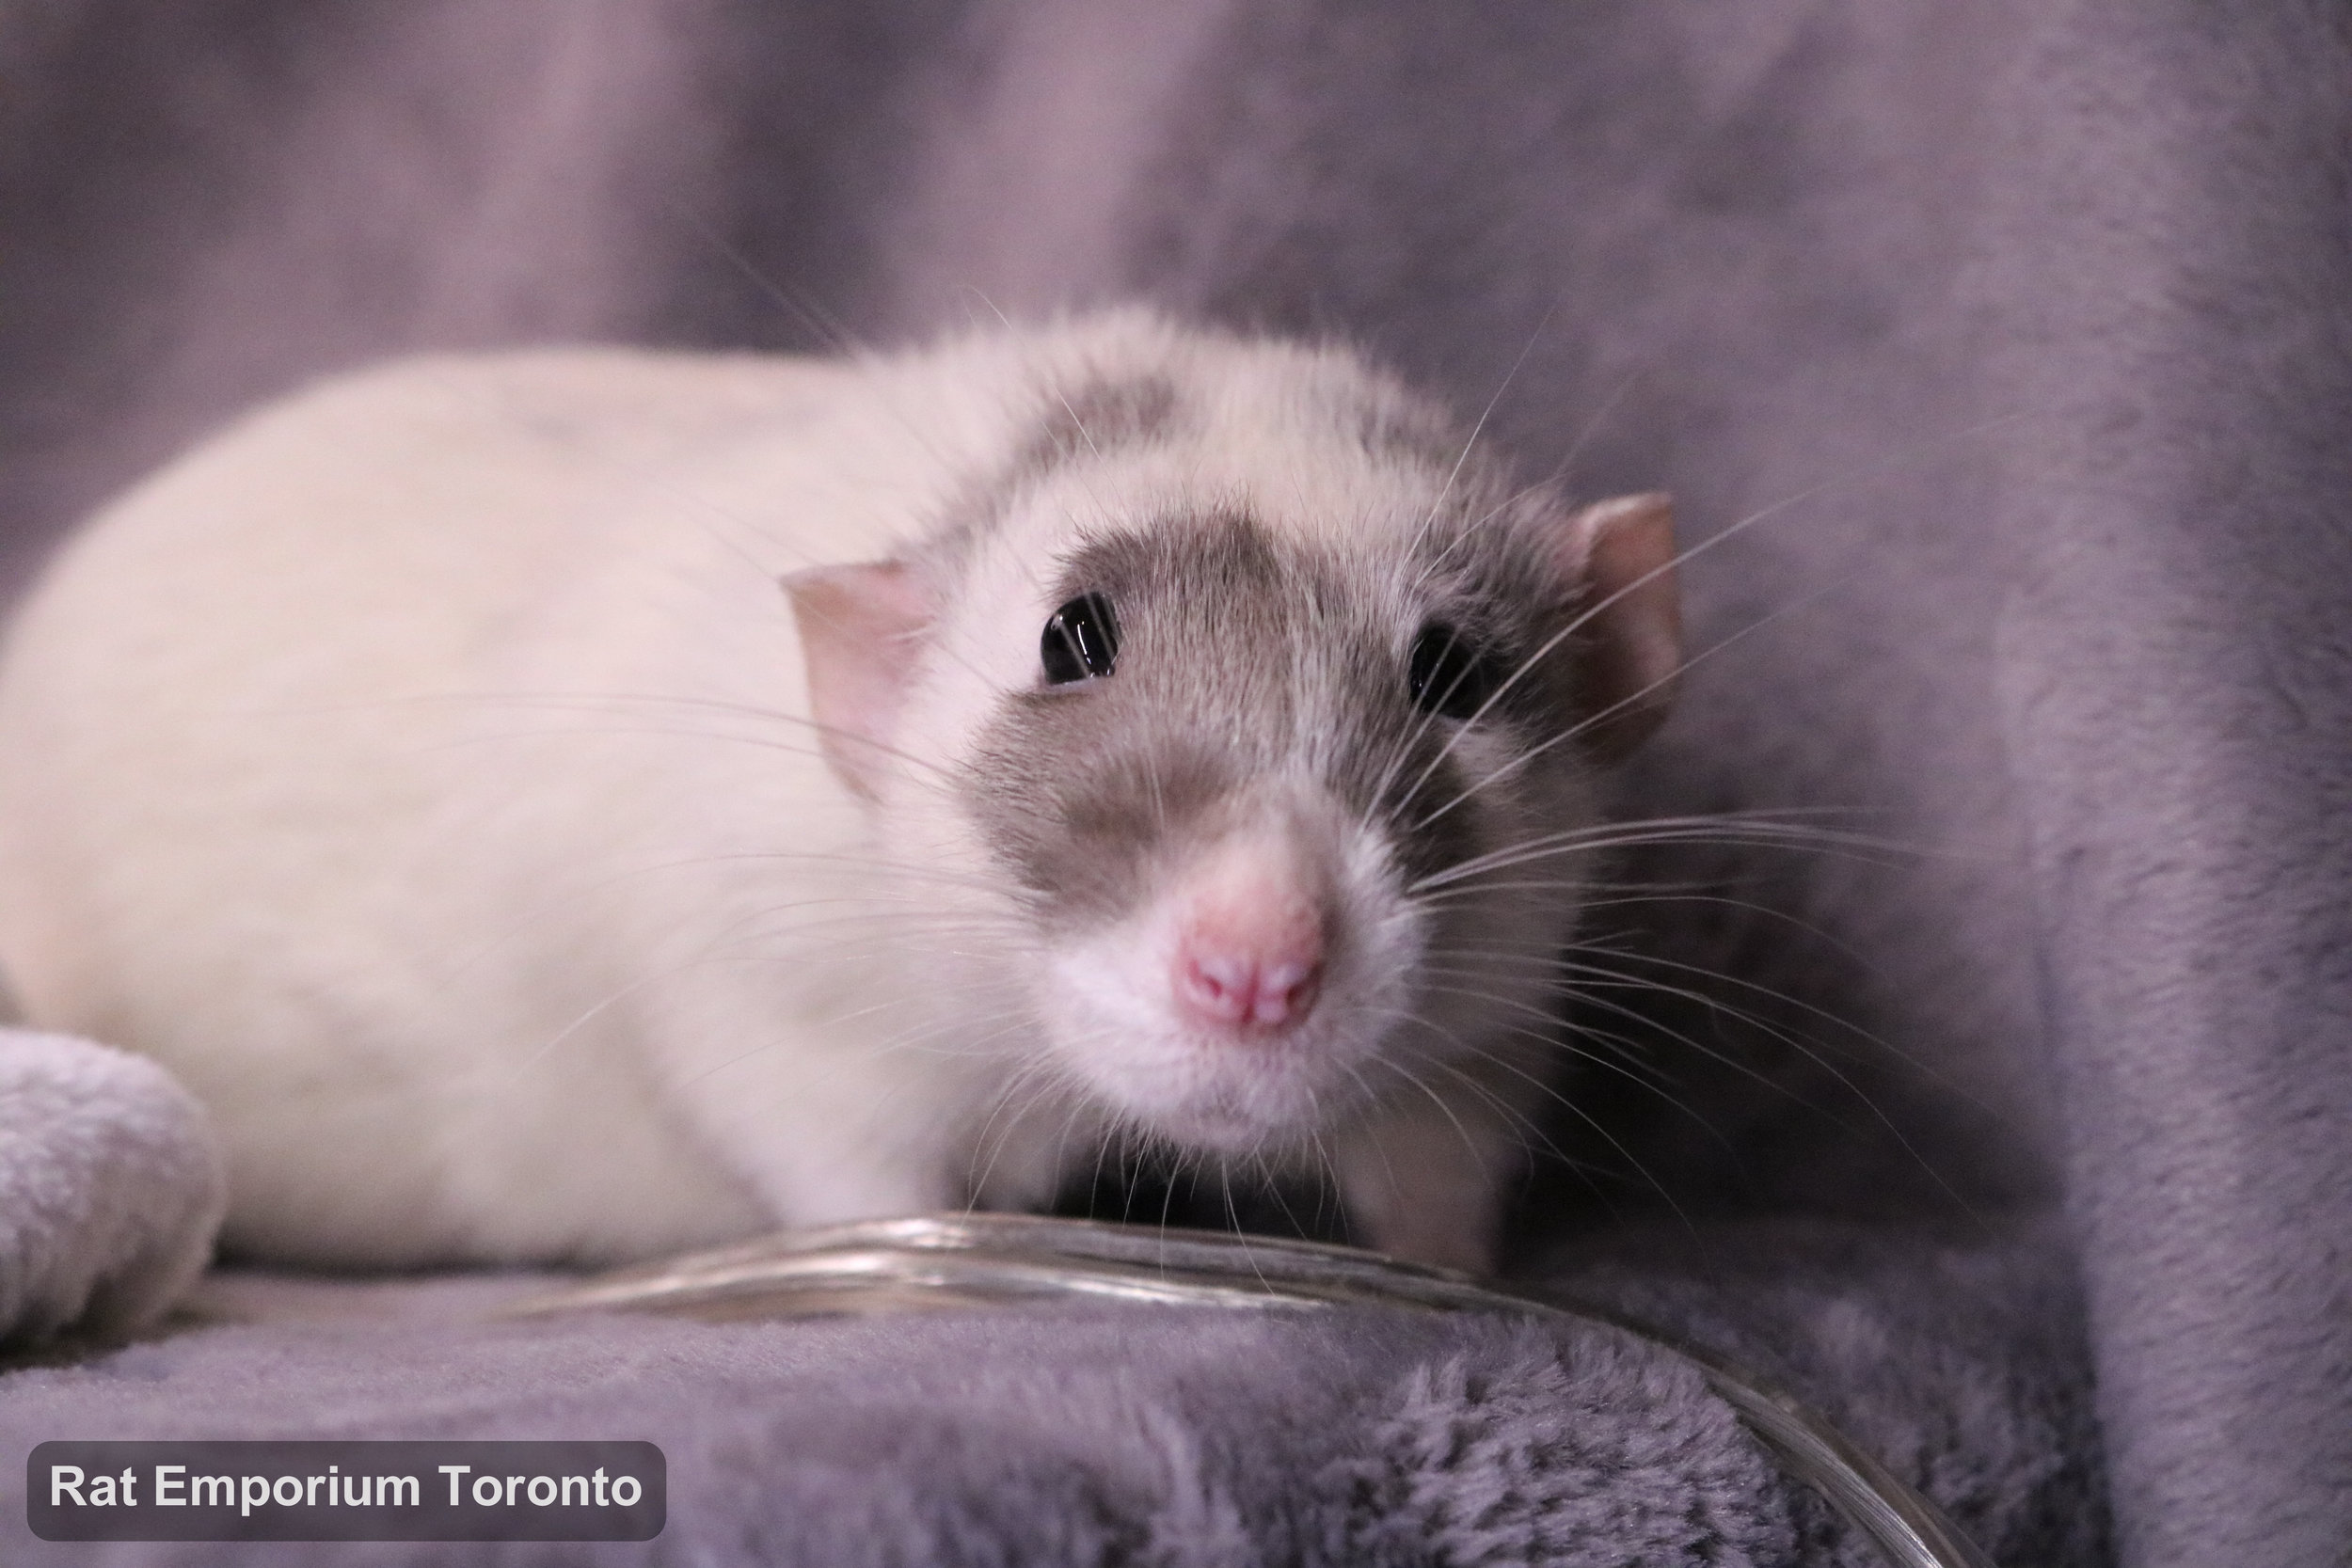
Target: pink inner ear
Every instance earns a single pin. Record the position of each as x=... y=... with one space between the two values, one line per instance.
x=859 y=625
x=1624 y=551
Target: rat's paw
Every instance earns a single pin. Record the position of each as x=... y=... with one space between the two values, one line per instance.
x=111 y=1187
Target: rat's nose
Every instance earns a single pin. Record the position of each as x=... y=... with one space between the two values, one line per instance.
x=1237 y=992
x=1248 y=956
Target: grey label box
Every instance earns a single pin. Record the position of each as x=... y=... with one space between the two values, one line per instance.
x=346 y=1491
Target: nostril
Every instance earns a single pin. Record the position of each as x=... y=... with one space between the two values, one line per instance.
x=1285 y=992
x=1220 y=983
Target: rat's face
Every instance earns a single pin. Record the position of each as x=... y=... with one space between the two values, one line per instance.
x=1239 y=716
x=1239 y=800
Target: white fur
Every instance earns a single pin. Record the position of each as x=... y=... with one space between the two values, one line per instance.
x=420 y=771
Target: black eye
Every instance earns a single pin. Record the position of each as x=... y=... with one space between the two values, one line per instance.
x=1449 y=674
x=1081 y=640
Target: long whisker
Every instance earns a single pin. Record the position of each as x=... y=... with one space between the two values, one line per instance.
x=1845 y=1026
x=1577 y=1111
x=1793 y=1043
x=1037 y=1069
x=595 y=701
x=1599 y=837
x=1633 y=699
x=1422 y=721
x=1589 y=613
x=828 y=328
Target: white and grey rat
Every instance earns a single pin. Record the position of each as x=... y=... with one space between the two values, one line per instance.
x=431 y=771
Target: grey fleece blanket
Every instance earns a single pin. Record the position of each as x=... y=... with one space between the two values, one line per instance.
x=1103 y=1436
x=1071 y=1436
x=2007 y=349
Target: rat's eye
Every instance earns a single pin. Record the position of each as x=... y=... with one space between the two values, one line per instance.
x=1081 y=640
x=1449 y=674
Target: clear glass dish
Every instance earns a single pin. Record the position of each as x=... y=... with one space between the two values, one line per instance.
x=949 y=1261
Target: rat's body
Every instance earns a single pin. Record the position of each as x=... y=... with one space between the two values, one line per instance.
x=425 y=772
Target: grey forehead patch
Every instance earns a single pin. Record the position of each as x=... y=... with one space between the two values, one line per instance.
x=1221 y=555
x=1098 y=417
x=1081 y=793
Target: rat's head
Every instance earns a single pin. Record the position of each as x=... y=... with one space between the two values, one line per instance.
x=1226 y=701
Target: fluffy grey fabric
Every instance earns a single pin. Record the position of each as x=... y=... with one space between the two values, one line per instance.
x=110 y=1188
x=1100 y=1438
x=2011 y=339
x=1957 y=1361
x=1030 y=1438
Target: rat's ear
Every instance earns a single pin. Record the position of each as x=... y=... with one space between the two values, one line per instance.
x=858 y=625
x=1623 y=552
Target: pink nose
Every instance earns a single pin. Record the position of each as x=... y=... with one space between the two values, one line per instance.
x=1247 y=975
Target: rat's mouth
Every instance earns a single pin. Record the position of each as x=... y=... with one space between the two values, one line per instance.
x=1226 y=1100
x=1219 y=1130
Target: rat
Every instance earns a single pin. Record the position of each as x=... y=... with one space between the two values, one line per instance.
x=575 y=804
